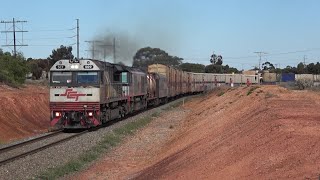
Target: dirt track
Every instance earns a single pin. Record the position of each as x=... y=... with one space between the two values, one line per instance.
x=272 y=133
x=23 y=112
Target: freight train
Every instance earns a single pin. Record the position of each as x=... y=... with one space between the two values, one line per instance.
x=87 y=93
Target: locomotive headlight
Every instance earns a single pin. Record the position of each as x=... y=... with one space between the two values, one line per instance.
x=74 y=66
x=90 y=114
x=58 y=114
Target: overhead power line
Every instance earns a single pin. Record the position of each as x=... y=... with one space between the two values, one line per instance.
x=50 y=30
x=293 y=52
x=57 y=45
x=38 y=38
x=14 y=29
x=92 y=50
x=269 y=54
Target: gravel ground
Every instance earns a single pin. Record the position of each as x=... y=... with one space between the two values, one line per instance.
x=30 y=166
x=22 y=140
x=34 y=145
x=136 y=152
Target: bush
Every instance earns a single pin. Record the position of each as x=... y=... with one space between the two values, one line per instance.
x=252 y=89
x=13 y=70
x=304 y=83
x=220 y=93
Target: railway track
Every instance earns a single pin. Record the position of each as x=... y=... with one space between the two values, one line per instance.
x=7 y=156
x=20 y=150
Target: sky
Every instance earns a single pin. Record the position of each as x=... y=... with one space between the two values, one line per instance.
x=286 y=30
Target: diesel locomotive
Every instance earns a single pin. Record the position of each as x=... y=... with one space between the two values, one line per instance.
x=86 y=93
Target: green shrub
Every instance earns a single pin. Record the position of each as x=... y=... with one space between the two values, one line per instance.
x=13 y=70
x=220 y=93
x=252 y=89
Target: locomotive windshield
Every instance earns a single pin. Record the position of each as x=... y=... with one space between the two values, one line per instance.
x=87 y=77
x=61 y=77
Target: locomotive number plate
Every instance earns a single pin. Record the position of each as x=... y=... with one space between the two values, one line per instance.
x=88 y=66
x=60 y=66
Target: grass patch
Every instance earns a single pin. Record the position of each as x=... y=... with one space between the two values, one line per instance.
x=174 y=105
x=220 y=93
x=110 y=140
x=252 y=89
x=270 y=95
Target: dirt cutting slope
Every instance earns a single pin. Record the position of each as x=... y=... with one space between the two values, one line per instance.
x=23 y=112
x=272 y=133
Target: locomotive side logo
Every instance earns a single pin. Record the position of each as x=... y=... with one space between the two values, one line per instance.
x=71 y=94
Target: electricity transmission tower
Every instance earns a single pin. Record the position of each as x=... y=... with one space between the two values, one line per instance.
x=113 y=45
x=260 y=54
x=13 y=28
x=93 y=50
x=92 y=47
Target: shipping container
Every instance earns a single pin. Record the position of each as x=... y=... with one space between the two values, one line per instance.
x=269 y=77
x=287 y=77
x=304 y=77
x=178 y=82
x=249 y=72
x=242 y=79
x=198 y=82
x=252 y=79
x=210 y=81
x=230 y=78
x=169 y=73
x=152 y=86
x=157 y=88
x=316 y=78
x=184 y=82
x=190 y=83
x=220 y=78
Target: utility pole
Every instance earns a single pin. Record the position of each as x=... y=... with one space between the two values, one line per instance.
x=304 y=61
x=114 y=50
x=93 y=50
x=93 y=45
x=13 y=30
x=113 y=45
x=104 y=51
x=78 y=38
x=260 y=55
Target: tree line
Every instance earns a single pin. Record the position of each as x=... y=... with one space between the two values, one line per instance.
x=13 y=70
x=146 y=56
x=311 y=68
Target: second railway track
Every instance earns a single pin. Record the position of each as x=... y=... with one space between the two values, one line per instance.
x=20 y=150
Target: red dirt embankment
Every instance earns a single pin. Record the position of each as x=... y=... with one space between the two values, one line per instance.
x=23 y=112
x=272 y=133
